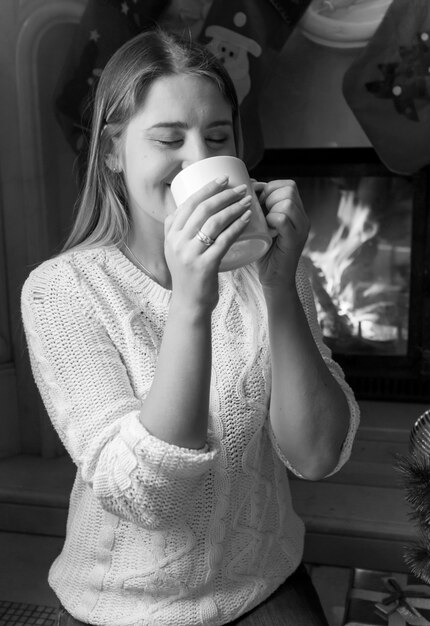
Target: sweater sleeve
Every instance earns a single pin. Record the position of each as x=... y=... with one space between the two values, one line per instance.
x=307 y=299
x=89 y=398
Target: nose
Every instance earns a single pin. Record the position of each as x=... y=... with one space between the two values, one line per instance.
x=195 y=149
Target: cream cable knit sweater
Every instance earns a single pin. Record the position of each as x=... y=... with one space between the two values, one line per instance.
x=159 y=535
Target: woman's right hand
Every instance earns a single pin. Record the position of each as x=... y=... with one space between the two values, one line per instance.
x=220 y=213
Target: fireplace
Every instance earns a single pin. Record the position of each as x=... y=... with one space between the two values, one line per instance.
x=368 y=258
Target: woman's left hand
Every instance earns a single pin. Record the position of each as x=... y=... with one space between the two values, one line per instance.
x=289 y=224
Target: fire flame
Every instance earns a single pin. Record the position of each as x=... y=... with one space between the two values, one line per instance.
x=355 y=229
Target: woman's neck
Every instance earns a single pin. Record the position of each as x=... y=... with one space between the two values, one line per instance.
x=147 y=253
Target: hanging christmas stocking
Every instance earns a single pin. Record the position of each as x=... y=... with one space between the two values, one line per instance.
x=105 y=25
x=388 y=87
x=239 y=32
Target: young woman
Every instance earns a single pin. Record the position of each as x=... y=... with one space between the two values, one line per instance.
x=181 y=393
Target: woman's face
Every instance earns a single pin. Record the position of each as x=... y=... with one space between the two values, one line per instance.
x=183 y=119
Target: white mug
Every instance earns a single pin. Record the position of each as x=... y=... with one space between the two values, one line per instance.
x=256 y=239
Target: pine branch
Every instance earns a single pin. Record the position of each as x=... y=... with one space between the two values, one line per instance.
x=415 y=473
x=417 y=558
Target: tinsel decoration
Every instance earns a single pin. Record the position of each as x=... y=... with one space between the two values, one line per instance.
x=415 y=471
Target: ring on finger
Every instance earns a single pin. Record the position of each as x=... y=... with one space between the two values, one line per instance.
x=201 y=236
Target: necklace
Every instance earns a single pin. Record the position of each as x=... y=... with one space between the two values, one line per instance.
x=145 y=269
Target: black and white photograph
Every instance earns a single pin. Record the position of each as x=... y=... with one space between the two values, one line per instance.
x=215 y=312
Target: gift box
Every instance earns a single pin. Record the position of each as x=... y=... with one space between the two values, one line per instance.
x=387 y=599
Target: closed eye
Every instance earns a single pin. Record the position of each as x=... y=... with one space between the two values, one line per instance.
x=170 y=142
x=177 y=142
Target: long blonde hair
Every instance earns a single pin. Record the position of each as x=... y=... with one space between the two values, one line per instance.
x=102 y=216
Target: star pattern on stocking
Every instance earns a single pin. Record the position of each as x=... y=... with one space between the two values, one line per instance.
x=406 y=82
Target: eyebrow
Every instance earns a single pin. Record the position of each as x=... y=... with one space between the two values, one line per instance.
x=185 y=126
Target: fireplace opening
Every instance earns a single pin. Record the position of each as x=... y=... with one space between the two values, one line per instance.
x=367 y=257
x=359 y=259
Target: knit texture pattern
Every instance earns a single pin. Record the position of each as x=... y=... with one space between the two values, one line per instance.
x=159 y=535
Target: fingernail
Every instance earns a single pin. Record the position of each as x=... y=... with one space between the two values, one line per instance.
x=246 y=216
x=240 y=189
x=246 y=200
x=221 y=180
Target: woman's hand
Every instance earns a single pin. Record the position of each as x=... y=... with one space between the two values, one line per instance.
x=221 y=214
x=290 y=226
